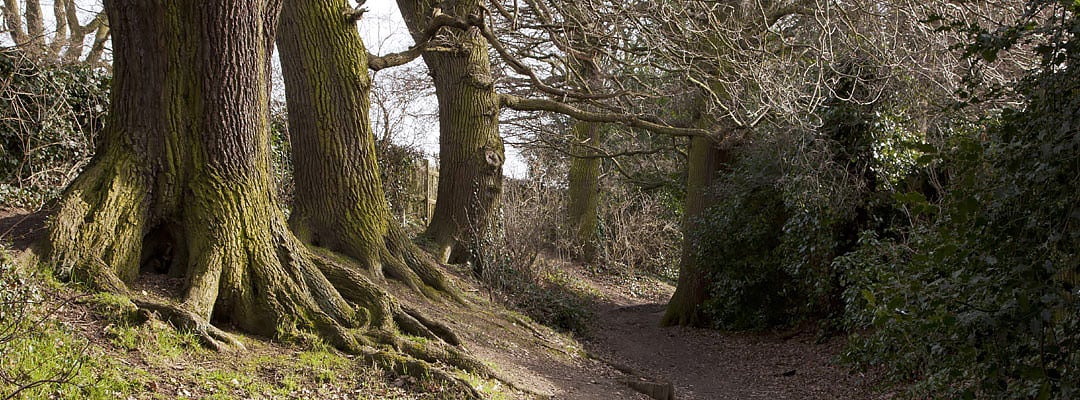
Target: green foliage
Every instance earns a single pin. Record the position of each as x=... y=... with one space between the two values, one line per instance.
x=787 y=206
x=51 y=117
x=978 y=296
x=43 y=357
x=281 y=153
x=740 y=245
x=402 y=171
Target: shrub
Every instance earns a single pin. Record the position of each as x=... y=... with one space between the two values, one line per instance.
x=978 y=298
x=51 y=116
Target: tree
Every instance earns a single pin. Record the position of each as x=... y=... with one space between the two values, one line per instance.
x=182 y=183
x=68 y=41
x=328 y=92
x=583 y=177
x=705 y=162
x=470 y=148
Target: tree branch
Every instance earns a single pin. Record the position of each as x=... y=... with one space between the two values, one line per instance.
x=404 y=57
x=522 y=69
x=633 y=121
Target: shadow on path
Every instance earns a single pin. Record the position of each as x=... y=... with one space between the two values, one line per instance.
x=706 y=364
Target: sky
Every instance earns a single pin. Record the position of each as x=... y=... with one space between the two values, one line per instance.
x=384 y=31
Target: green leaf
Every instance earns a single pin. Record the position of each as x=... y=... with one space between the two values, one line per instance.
x=910 y=198
x=869 y=296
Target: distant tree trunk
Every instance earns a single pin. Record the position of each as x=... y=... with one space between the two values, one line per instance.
x=35 y=28
x=584 y=189
x=583 y=180
x=706 y=160
x=13 y=21
x=340 y=204
x=470 y=149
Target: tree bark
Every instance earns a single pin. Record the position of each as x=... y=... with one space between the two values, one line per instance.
x=706 y=160
x=340 y=204
x=13 y=21
x=183 y=176
x=470 y=149
x=583 y=179
x=60 y=36
x=35 y=29
x=584 y=189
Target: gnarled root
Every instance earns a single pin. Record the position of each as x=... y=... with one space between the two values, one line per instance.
x=188 y=321
x=419 y=369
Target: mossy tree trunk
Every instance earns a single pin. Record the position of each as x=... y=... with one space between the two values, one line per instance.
x=470 y=149
x=183 y=176
x=584 y=189
x=705 y=161
x=583 y=180
x=340 y=204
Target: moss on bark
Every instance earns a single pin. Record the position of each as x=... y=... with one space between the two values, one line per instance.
x=584 y=189
x=470 y=148
x=185 y=164
x=340 y=204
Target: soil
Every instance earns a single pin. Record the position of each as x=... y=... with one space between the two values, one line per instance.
x=624 y=343
x=708 y=364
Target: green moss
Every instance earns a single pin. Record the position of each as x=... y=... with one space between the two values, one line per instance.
x=113 y=307
x=52 y=351
x=491 y=389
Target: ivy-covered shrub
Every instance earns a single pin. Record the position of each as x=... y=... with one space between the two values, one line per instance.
x=979 y=297
x=50 y=116
x=741 y=245
x=787 y=206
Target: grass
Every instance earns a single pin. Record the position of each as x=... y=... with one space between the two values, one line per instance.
x=98 y=349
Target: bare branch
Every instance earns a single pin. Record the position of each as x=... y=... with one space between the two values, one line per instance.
x=439 y=21
x=524 y=104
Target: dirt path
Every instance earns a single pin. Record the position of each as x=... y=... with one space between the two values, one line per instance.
x=625 y=342
x=707 y=365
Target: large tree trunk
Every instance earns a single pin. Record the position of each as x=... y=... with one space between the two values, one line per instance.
x=183 y=180
x=706 y=160
x=183 y=175
x=470 y=149
x=340 y=204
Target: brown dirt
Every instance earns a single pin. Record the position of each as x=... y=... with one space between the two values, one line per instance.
x=708 y=364
x=625 y=342
x=21 y=228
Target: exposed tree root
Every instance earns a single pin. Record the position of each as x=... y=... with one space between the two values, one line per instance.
x=188 y=321
x=421 y=370
x=439 y=329
x=243 y=265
